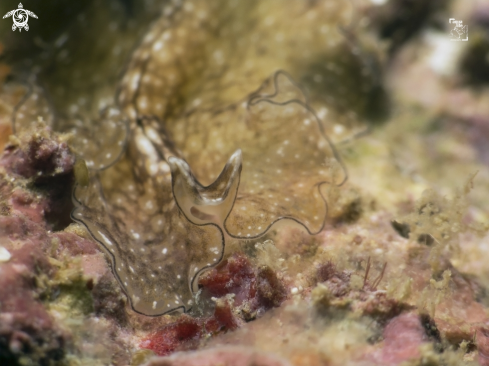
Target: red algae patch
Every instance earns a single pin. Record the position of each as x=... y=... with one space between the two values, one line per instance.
x=241 y=292
x=181 y=335
x=255 y=290
x=234 y=275
x=186 y=332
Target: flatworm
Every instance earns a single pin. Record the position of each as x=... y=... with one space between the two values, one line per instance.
x=215 y=147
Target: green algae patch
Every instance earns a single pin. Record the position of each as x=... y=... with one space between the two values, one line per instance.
x=438 y=221
x=76 y=297
x=81 y=172
x=69 y=290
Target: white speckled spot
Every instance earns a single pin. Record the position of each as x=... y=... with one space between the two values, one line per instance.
x=4 y=255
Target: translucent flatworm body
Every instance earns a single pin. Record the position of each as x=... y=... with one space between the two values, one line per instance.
x=220 y=144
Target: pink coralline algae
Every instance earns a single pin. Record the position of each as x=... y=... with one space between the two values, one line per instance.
x=482 y=337
x=35 y=182
x=403 y=336
x=338 y=282
x=228 y=356
x=26 y=328
x=365 y=300
x=42 y=158
x=47 y=165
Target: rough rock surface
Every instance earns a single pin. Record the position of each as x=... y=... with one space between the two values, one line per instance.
x=226 y=356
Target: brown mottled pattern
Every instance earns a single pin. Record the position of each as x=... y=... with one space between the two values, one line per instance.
x=200 y=99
